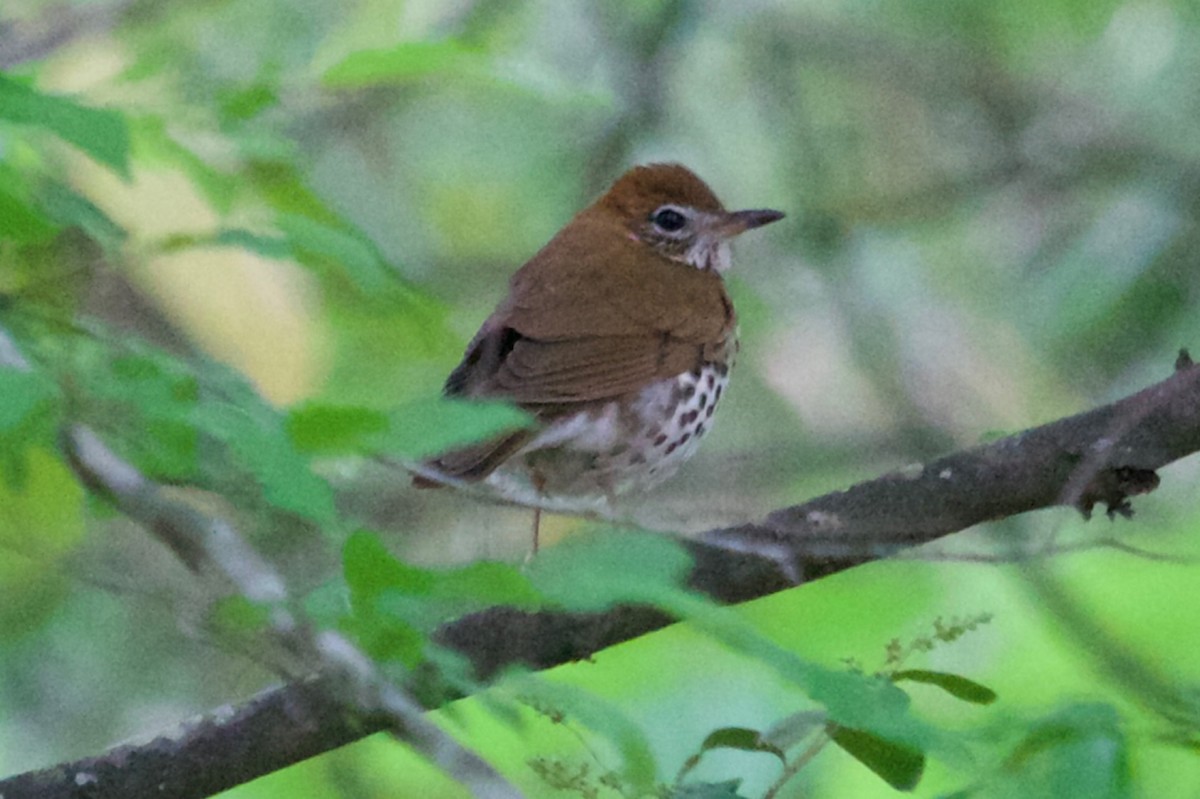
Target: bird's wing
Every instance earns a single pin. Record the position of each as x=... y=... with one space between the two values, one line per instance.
x=585 y=325
x=552 y=379
x=551 y=376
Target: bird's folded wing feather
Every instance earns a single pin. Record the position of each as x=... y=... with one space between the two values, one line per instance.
x=584 y=325
x=590 y=332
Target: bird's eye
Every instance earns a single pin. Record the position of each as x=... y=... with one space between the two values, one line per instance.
x=668 y=219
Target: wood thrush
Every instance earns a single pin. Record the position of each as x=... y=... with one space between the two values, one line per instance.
x=618 y=337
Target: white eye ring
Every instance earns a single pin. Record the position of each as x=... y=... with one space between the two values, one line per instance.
x=669 y=219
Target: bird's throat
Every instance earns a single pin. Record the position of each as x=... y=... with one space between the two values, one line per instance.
x=708 y=255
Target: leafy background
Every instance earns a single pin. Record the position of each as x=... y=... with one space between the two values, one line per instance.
x=252 y=262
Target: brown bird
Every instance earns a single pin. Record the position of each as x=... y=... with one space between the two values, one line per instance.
x=618 y=337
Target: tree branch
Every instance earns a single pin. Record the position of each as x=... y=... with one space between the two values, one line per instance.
x=1117 y=447
x=350 y=684
x=1104 y=455
x=214 y=754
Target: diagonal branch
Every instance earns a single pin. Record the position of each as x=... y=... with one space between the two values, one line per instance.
x=1120 y=446
x=205 y=757
x=1117 y=448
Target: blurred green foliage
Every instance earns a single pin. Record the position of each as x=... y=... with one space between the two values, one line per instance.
x=991 y=222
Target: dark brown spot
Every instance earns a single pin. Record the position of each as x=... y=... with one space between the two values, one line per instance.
x=688 y=391
x=685 y=438
x=716 y=398
x=671 y=448
x=722 y=369
x=708 y=414
x=689 y=417
x=697 y=372
x=703 y=401
x=701 y=430
x=711 y=380
x=660 y=439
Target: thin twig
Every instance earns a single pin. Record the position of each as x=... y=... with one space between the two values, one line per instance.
x=793 y=768
x=214 y=543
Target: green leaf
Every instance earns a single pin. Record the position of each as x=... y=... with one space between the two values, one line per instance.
x=899 y=766
x=386 y=639
x=612 y=567
x=70 y=209
x=264 y=449
x=21 y=395
x=274 y=247
x=247 y=102
x=329 y=429
x=20 y=221
x=1080 y=750
x=145 y=400
x=431 y=425
x=370 y=569
x=155 y=145
x=425 y=598
x=312 y=241
x=30 y=417
x=101 y=133
x=237 y=614
x=483 y=584
x=395 y=605
x=41 y=523
x=953 y=684
x=329 y=249
x=42 y=518
x=608 y=566
x=32 y=593
x=743 y=739
x=285 y=189
x=850 y=698
x=403 y=63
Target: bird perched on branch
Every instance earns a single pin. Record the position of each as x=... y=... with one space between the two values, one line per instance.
x=618 y=337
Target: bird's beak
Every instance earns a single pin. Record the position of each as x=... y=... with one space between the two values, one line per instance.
x=738 y=222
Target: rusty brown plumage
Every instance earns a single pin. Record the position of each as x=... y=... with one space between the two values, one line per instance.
x=614 y=303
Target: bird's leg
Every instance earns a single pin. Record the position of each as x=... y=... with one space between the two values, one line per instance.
x=537 y=523
x=539 y=484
